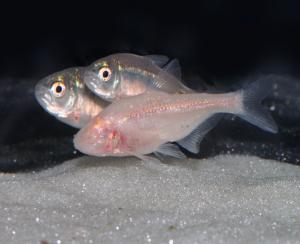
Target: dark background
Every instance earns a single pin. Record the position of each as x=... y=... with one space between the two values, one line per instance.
x=218 y=43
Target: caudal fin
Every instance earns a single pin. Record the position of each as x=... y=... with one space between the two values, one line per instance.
x=253 y=111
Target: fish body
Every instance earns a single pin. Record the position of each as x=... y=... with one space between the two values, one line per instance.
x=65 y=96
x=147 y=123
x=123 y=75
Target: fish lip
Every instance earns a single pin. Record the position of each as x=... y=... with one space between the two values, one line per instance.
x=90 y=79
x=84 y=144
x=95 y=85
x=77 y=141
x=40 y=93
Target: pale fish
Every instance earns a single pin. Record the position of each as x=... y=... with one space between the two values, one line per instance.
x=124 y=75
x=64 y=95
x=150 y=122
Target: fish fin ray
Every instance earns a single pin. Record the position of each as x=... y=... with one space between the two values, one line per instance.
x=192 y=141
x=159 y=84
x=253 y=112
x=159 y=60
x=169 y=149
x=146 y=159
x=173 y=68
x=163 y=85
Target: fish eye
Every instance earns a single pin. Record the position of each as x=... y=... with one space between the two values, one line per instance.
x=58 y=89
x=105 y=73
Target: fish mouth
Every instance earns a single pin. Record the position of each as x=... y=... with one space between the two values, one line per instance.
x=91 y=80
x=94 y=84
x=45 y=100
x=86 y=141
x=81 y=142
x=41 y=95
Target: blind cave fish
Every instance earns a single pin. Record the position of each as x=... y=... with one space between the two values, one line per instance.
x=124 y=75
x=150 y=122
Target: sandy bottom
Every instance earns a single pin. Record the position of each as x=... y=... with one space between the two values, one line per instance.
x=226 y=199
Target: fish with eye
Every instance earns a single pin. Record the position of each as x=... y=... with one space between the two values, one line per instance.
x=64 y=95
x=151 y=122
x=124 y=75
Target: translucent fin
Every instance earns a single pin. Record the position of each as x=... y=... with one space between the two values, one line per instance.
x=160 y=84
x=184 y=89
x=192 y=141
x=148 y=159
x=173 y=67
x=178 y=87
x=159 y=60
x=170 y=149
x=253 y=112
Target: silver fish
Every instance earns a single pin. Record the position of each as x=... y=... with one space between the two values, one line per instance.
x=124 y=75
x=149 y=122
x=64 y=95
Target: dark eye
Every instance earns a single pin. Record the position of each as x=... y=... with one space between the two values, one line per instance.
x=105 y=73
x=58 y=89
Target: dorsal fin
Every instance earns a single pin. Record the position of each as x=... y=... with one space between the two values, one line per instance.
x=159 y=60
x=173 y=68
x=192 y=141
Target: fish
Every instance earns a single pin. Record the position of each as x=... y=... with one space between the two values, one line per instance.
x=65 y=96
x=158 y=123
x=124 y=74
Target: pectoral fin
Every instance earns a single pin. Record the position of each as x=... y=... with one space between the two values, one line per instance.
x=192 y=141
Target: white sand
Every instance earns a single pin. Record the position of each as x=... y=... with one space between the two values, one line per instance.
x=227 y=199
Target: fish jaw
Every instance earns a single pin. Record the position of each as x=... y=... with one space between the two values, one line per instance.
x=46 y=101
x=89 y=139
x=98 y=87
x=41 y=95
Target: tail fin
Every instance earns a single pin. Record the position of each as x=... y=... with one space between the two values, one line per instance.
x=253 y=112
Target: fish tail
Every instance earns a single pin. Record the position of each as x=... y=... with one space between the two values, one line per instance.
x=252 y=110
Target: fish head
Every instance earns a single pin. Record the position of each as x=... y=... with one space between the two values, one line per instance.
x=98 y=138
x=103 y=77
x=57 y=93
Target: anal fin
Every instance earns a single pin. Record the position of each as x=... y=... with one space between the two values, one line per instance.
x=147 y=159
x=192 y=141
x=169 y=149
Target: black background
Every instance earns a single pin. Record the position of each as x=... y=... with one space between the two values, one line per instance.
x=211 y=38
x=218 y=43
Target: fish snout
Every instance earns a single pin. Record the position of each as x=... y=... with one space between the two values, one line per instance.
x=91 y=80
x=85 y=141
x=42 y=94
